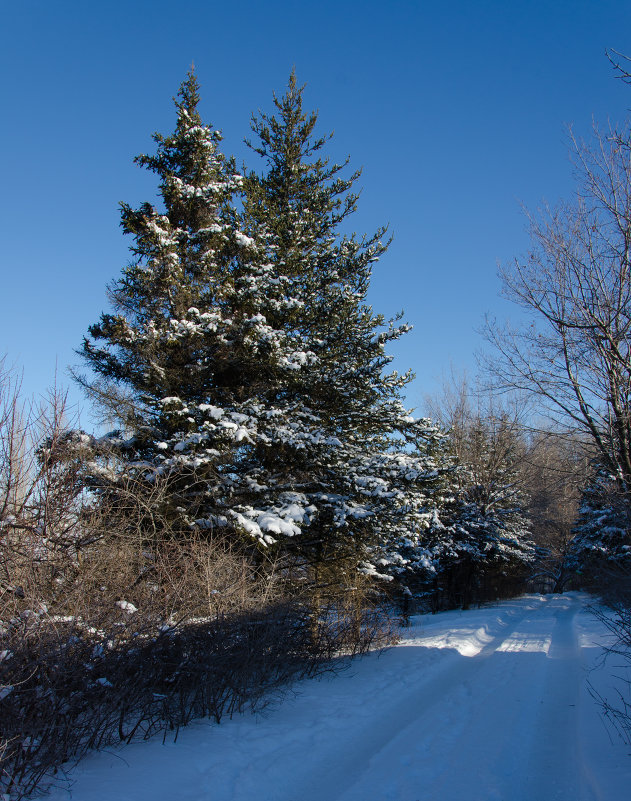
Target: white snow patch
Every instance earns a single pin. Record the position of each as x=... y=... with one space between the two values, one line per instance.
x=127 y=606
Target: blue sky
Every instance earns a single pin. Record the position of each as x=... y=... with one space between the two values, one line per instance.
x=457 y=113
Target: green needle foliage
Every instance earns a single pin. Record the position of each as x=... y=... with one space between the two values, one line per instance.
x=244 y=365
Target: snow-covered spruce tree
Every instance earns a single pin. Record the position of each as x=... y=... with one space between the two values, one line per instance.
x=373 y=492
x=600 y=552
x=189 y=361
x=480 y=546
x=249 y=369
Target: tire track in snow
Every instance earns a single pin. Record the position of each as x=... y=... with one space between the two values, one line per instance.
x=337 y=773
x=521 y=745
x=510 y=734
x=557 y=770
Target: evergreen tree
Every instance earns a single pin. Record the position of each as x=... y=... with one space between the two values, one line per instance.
x=374 y=492
x=244 y=364
x=191 y=365
x=480 y=545
x=601 y=548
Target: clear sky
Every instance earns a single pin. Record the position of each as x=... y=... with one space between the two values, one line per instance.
x=457 y=112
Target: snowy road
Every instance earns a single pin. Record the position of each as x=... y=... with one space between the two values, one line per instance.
x=484 y=705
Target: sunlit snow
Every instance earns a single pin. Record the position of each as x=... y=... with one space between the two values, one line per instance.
x=490 y=704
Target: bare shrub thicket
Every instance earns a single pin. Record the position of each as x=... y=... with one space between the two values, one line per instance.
x=115 y=626
x=39 y=501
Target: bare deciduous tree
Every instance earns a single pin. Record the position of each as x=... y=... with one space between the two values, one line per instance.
x=555 y=473
x=573 y=351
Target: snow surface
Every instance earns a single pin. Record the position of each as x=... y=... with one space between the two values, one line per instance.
x=490 y=704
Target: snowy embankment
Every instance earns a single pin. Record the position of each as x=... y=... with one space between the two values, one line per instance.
x=490 y=704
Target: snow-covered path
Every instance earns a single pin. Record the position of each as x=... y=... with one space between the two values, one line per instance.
x=484 y=705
